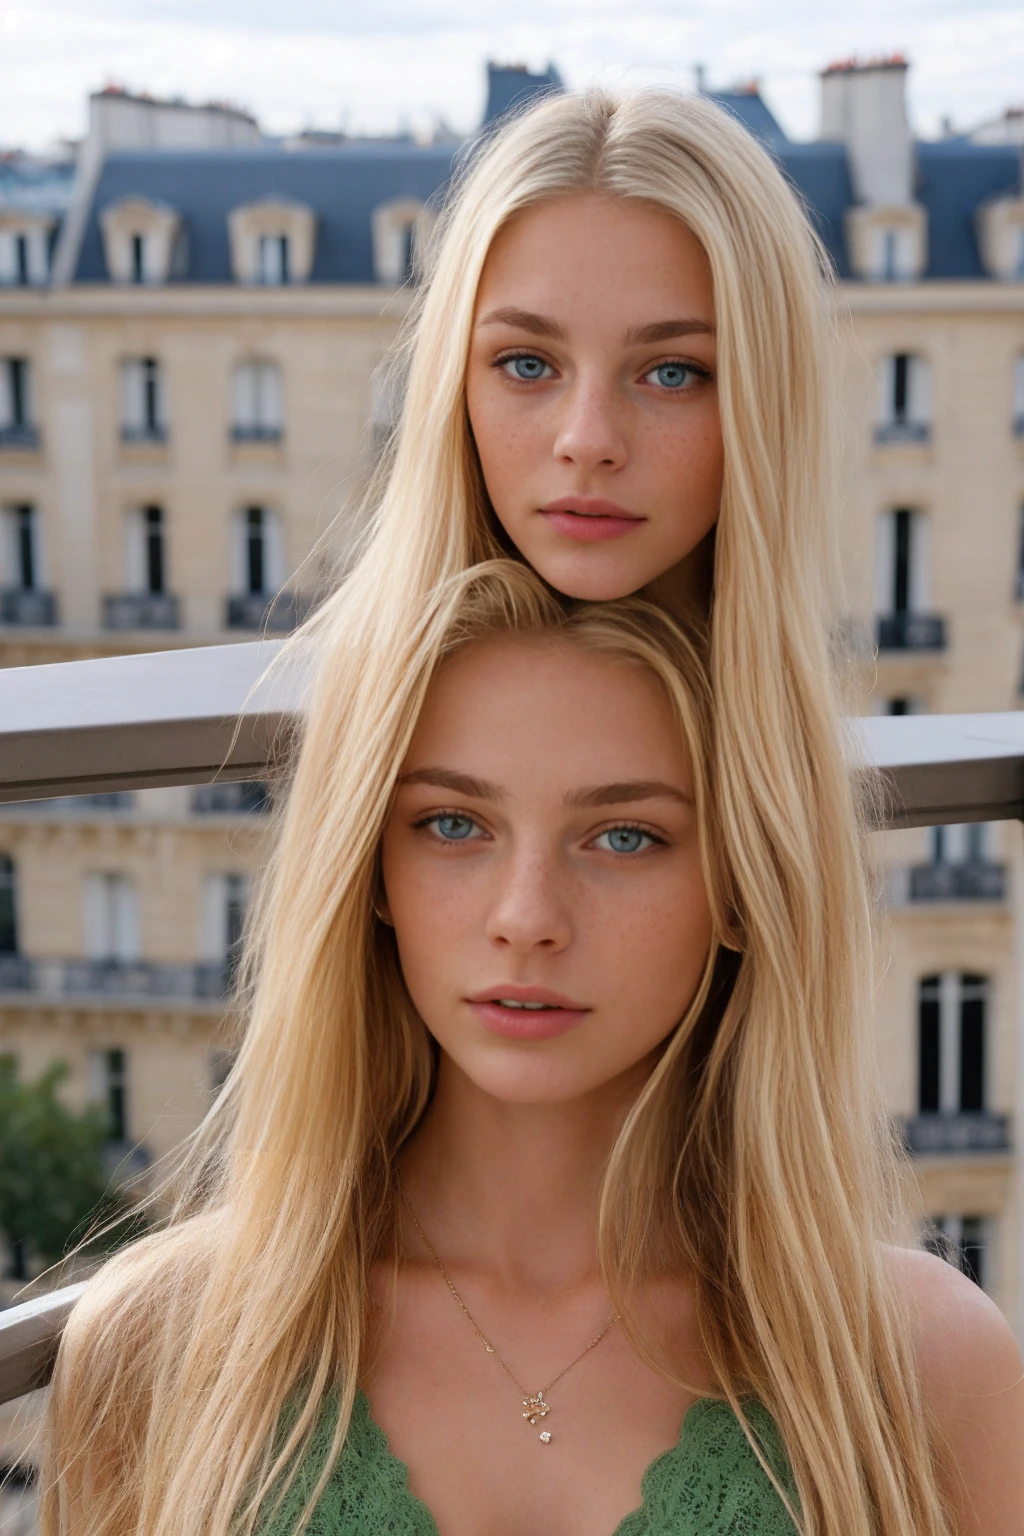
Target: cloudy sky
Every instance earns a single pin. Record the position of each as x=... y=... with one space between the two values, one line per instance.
x=379 y=64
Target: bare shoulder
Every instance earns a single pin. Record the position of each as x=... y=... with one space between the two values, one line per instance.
x=972 y=1379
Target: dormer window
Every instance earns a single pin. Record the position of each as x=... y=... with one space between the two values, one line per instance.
x=24 y=249
x=142 y=241
x=888 y=245
x=272 y=242
x=1000 y=226
x=400 y=229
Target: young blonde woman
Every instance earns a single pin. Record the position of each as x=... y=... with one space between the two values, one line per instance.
x=620 y=368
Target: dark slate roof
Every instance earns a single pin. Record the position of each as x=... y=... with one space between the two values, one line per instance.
x=754 y=113
x=953 y=179
x=342 y=185
x=509 y=87
x=820 y=174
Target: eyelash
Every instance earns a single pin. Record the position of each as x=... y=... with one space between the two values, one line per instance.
x=697 y=369
x=424 y=822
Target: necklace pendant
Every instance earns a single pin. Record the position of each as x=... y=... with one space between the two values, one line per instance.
x=535 y=1408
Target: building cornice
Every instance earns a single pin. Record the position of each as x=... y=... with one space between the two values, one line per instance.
x=199 y=301
x=933 y=298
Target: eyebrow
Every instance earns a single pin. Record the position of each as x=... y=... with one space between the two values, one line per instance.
x=639 y=335
x=628 y=791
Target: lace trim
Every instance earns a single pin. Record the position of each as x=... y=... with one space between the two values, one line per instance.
x=709 y=1483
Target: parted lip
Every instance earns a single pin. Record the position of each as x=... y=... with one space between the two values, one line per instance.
x=591 y=506
x=521 y=994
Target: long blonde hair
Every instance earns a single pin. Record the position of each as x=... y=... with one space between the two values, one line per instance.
x=758 y=1156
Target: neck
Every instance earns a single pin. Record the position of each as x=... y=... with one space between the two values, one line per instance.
x=514 y=1187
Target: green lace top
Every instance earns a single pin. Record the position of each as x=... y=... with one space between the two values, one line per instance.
x=709 y=1484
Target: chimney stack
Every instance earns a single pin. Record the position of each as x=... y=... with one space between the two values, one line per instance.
x=864 y=106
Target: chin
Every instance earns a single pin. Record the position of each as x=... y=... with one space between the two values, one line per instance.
x=591 y=583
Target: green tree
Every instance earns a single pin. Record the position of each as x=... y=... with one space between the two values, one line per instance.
x=54 y=1183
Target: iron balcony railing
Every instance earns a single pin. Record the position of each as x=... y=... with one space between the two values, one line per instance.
x=257 y=611
x=136 y=981
x=977 y=880
x=28 y=606
x=141 y=610
x=900 y=430
x=911 y=632
x=209 y=714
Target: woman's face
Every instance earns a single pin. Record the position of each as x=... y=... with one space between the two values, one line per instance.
x=591 y=392
x=543 y=850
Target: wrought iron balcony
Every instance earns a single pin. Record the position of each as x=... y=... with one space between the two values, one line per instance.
x=903 y=432
x=911 y=632
x=22 y=434
x=259 y=611
x=26 y=605
x=232 y=799
x=127 y=980
x=952 y=1135
x=141 y=610
x=251 y=433
x=152 y=432
x=977 y=880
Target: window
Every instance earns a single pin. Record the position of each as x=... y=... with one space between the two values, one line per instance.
x=273 y=260
x=146 y=551
x=225 y=899
x=138 y=251
x=108 y=1086
x=19 y=554
x=8 y=907
x=257 y=406
x=111 y=919
x=397 y=228
x=902 y=705
x=905 y=406
x=1018 y=397
x=258 y=553
x=966 y=844
x=952 y=1018
x=17 y=429
x=964 y=1241
x=142 y=401
x=24 y=253
x=901 y=562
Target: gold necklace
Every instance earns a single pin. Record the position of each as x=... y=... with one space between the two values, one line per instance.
x=535 y=1405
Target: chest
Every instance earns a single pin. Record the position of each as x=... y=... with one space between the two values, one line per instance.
x=454 y=1416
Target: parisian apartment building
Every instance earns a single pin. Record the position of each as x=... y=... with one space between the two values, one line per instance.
x=193 y=319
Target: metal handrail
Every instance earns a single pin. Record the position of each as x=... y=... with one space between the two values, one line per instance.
x=191 y=715
x=29 y=1336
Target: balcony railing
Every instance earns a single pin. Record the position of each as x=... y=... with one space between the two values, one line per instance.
x=152 y=432
x=903 y=432
x=141 y=610
x=261 y=611
x=24 y=605
x=978 y=880
x=911 y=632
x=246 y=799
x=951 y=1135
x=126 y=980
x=255 y=434
x=22 y=434
x=191 y=716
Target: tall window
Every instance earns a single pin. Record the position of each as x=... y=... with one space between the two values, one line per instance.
x=8 y=907
x=901 y=562
x=108 y=1086
x=138 y=248
x=111 y=918
x=16 y=415
x=225 y=899
x=963 y=1241
x=905 y=406
x=257 y=403
x=147 y=554
x=19 y=551
x=143 y=413
x=258 y=552
x=273 y=260
x=966 y=844
x=952 y=1021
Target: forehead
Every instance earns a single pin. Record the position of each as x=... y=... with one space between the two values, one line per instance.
x=554 y=255
x=549 y=708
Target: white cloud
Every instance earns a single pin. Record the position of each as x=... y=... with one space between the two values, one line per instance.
x=374 y=67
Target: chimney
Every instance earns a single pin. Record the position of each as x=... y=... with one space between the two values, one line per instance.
x=863 y=105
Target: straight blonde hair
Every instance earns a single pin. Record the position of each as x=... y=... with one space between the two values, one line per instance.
x=758 y=1156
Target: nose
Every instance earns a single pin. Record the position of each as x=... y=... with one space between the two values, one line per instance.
x=590 y=434
x=530 y=910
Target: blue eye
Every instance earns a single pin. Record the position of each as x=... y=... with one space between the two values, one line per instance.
x=525 y=366
x=625 y=840
x=454 y=829
x=672 y=375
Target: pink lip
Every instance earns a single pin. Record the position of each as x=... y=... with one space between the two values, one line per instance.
x=557 y=1018
x=589 y=519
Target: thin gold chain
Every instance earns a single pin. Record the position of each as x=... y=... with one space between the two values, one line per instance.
x=609 y=1325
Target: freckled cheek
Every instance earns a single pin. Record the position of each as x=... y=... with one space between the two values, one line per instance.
x=689 y=458
x=654 y=953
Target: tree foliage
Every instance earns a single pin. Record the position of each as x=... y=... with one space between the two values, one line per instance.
x=54 y=1182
